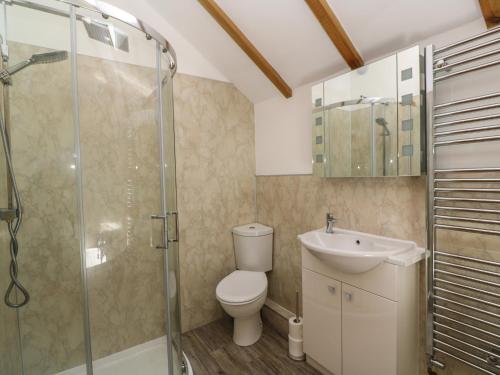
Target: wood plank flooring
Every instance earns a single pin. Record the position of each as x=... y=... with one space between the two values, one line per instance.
x=212 y=351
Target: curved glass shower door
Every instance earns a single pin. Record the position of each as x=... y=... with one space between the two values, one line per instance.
x=172 y=255
x=129 y=217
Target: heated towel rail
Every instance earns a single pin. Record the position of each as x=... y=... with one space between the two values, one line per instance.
x=463 y=211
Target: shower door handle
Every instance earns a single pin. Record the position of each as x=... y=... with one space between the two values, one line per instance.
x=176 y=214
x=164 y=237
x=164 y=220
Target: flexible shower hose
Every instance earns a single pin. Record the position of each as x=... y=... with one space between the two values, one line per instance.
x=13 y=226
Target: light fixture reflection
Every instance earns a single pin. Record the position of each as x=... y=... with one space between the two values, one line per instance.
x=94 y=257
x=110 y=226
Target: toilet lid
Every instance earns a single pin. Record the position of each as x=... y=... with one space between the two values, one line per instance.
x=241 y=286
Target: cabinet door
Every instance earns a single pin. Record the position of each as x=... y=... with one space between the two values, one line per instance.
x=322 y=320
x=368 y=333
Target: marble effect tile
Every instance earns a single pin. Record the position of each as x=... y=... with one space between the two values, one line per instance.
x=49 y=259
x=120 y=149
x=387 y=206
x=216 y=187
x=296 y=204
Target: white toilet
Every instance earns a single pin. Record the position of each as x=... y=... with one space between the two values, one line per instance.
x=243 y=292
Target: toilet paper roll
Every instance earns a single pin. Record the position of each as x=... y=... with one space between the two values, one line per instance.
x=296 y=349
x=295 y=328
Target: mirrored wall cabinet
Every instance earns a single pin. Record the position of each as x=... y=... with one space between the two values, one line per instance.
x=371 y=121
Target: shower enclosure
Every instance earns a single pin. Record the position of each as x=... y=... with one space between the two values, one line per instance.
x=87 y=116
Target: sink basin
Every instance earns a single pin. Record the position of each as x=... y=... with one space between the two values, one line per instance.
x=353 y=252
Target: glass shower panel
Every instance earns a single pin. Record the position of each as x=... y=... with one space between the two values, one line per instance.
x=118 y=100
x=10 y=354
x=41 y=126
x=172 y=254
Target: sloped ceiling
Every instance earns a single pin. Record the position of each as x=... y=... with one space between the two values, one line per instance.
x=289 y=36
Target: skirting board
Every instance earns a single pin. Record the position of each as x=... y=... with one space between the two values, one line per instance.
x=278 y=309
x=277 y=317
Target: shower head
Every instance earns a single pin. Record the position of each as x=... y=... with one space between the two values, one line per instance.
x=383 y=122
x=106 y=33
x=49 y=57
x=39 y=58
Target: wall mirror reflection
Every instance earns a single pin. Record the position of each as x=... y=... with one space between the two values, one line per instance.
x=368 y=122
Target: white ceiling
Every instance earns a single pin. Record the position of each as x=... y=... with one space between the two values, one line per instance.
x=289 y=36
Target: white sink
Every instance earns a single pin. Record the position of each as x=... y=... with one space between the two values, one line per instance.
x=353 y=252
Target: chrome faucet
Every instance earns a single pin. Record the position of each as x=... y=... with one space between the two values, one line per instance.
x=330 y=222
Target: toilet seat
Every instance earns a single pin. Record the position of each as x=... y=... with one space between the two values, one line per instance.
x=241 y=287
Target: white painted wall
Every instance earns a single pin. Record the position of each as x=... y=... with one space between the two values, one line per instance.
x=283 y=134
x=283 y=127
x=189 y=59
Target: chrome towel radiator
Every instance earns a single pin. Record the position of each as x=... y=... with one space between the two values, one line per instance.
x=463 y=210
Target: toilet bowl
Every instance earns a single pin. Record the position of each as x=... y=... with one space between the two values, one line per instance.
x=242 y=295
x=243 y=292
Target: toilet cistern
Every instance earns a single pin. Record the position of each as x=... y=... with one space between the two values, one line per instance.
x=330 y=222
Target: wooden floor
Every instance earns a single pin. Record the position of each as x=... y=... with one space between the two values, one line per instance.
x=212 y=351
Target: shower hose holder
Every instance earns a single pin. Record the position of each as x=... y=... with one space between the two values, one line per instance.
x=8 y=214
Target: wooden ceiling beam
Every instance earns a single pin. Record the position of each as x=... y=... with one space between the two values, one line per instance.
x=241 y=40
x=491 y=12
x=336 y=32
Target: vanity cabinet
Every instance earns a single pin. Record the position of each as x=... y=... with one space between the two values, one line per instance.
x=360 y=324
x=322 y=303
x=368 y=332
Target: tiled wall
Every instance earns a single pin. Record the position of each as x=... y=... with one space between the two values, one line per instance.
x=388 y=206
x=216 y=187
x=121 y=171
x=293 y=205
x=49 y=260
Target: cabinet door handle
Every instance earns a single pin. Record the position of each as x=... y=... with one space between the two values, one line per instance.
x=332 y=289
x=348 y=296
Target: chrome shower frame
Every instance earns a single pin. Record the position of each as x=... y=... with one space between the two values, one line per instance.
x=163 y=47
x=106 y=11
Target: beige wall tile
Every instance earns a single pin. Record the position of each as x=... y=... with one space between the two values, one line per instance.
x=49 y=258
x=216 y=187
x=293 y=205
